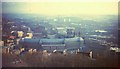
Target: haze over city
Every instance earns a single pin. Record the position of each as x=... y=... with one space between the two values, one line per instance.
x=62 y=8
x=57 y=33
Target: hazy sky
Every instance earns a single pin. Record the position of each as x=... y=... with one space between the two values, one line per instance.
x=59 y=0
x=61 y=8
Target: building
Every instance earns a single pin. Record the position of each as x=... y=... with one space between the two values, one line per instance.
x=52 y=43
x=29 y=35
x=70 y=32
